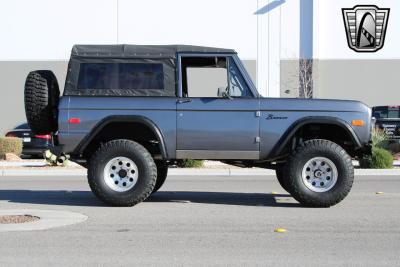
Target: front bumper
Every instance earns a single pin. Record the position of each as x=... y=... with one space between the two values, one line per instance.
x=365 y=150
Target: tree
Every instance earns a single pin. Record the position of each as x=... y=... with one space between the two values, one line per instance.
x=305 y=78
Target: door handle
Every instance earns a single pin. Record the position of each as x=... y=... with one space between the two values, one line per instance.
x=185 y=100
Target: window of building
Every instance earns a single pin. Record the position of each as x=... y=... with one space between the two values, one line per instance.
x=386 y=112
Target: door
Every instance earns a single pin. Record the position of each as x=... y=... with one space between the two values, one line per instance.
x=217 y=115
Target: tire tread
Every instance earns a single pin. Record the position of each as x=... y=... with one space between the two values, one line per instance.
x=41 y=101
x=127 y=145
x=315 y=145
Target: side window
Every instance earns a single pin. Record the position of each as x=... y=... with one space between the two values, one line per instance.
x=237 y=85
x=121 y=76
x=204 y=76
x=212 y=77
x=205 y=82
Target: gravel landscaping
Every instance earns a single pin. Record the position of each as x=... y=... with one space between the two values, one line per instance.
x=13 y=219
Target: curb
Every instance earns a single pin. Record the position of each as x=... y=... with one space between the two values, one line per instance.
x=191 y=172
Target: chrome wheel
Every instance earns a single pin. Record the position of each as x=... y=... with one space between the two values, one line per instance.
x=319 y=174
x=120 y=174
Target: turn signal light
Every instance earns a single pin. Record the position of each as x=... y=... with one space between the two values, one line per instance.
x=357 y=122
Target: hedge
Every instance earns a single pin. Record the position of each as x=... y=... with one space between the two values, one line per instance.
x=10 y=145
x=380 y=159
x=190 y=163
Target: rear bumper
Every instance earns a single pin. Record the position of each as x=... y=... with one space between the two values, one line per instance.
x=35 y=150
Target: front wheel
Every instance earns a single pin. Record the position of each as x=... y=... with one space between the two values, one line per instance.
x=162 y=172
x=122 y=173
x=319 y=173
x=280 y=175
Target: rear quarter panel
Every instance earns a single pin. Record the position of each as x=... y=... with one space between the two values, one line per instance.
x=91 y=110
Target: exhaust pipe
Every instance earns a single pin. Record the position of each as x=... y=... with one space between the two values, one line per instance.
x=55 y=160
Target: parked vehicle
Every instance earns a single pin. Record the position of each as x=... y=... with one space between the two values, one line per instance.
x=131 y=110
x=33 y=144
x=387 y=118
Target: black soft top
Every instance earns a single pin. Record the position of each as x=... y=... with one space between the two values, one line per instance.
x=141 y=51
x=143 y=54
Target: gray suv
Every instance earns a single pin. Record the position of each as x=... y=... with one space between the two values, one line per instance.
x=128 y=111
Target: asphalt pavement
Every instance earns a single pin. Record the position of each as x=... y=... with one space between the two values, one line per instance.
x=206 y=221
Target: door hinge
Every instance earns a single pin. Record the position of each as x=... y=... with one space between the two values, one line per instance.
x=258 y=139
x=258 y=113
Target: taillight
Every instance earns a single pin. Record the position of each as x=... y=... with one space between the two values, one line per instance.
x=45 y=136
x=11 y=135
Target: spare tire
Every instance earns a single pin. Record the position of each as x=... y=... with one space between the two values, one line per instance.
x=42 y=95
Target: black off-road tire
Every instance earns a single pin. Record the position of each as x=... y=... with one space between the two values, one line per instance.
x=319 y=148
x=147 y=170
x=162 y=172
x=41 y=101
x=282 y=179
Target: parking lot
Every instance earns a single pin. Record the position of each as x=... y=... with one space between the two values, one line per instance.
x=210 y=220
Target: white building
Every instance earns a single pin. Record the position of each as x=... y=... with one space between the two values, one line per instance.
x=269 y=35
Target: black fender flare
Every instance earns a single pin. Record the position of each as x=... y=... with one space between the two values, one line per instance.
x=122 y=118
x=290 y=132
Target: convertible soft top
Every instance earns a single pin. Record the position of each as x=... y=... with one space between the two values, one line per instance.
x=151 y=73
x=141 y=51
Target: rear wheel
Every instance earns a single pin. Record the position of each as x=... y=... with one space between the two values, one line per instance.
x=122 y=173
x=319 y=173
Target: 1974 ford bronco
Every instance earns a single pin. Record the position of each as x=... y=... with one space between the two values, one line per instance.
x=128 y=111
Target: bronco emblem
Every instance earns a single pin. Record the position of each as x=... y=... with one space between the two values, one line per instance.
x=272 y=117
x=365 y=27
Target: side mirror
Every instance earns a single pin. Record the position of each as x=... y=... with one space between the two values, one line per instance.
x=222 y=92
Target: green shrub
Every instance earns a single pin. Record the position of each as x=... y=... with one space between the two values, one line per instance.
x=190 y=163
x=380 y=159
x=379 y=138
x=10 y=145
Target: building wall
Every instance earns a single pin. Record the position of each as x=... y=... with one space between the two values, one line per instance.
x=278 y=39
x=47 y=29
x=13 y=74
x=342 y=73
x=375 y=82
x=330 y=37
